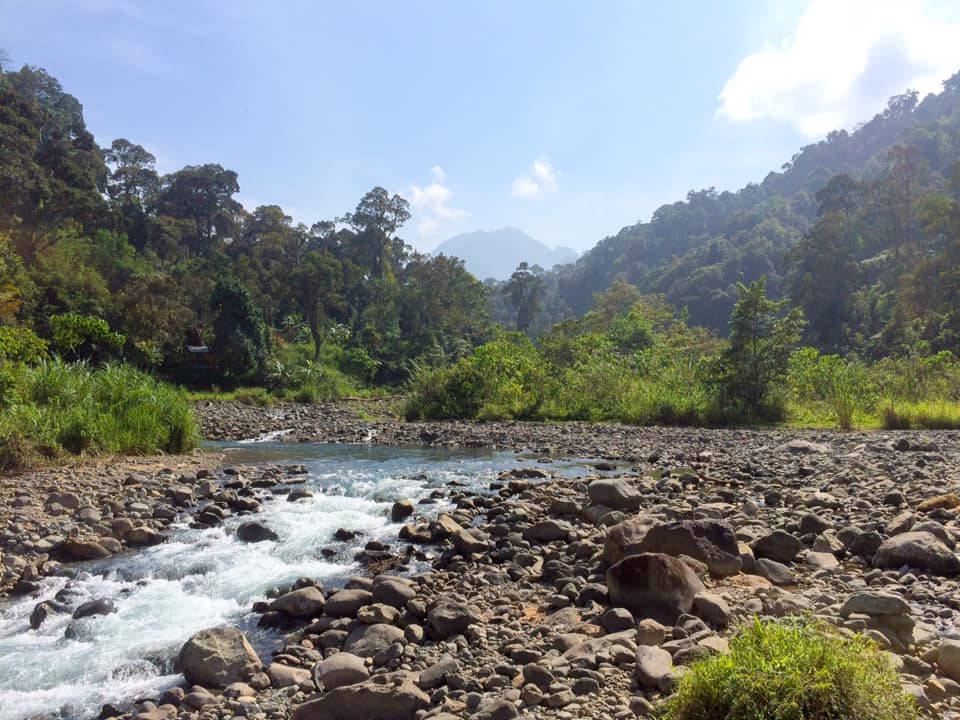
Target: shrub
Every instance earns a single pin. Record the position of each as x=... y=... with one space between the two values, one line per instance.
x=791 y=670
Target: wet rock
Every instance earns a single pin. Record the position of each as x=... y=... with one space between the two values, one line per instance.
x=217 y=657
x=401 y=510
x=101 y=606
x=41 y=612
x=143 y=536
x=255 y=531
x=83 y=550
x=304 y=603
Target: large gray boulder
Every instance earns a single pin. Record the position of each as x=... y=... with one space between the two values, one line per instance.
x=778 y=545
x=450 y=617
x=304 y=603
x=345 y=603
x=626 y=538
x=368 y=640
x=216 y=657
x=710 y=541
x=616 y=493
x=338 y=670
x=917 y=550
x=653 y=585
x=391 y=696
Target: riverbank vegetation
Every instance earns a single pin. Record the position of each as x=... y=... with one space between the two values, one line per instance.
x=826 y=295
x=791 y=670
x=54 y=408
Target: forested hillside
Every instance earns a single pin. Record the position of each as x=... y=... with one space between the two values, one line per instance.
x=858 y=229
x=101 y=257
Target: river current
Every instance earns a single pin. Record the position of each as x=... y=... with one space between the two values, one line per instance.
x=204 y=578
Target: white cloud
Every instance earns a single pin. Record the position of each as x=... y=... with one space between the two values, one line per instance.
x=541 y=178
x=844 y=59
x=431 y=202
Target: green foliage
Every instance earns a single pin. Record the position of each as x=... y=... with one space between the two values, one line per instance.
x=791 y=670
x=78 y=336
x=763 y=333
x=239 y=335
x=54 y=408
x=21 y=345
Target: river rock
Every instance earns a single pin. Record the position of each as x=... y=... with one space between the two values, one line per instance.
x=304 y=603
x=100 y=606
x=142 y=536
x=948 y=659
x=40 y=613
x=282 y=676
x=391 y=696
x=401 y=510
x=342 y=668
x=615 y=493
x=255 y=531
x=548 y=531
x=778 y=545
x=653 y=585
x=654 y=667
x=392 y=591
x=83 y=550
x=625 y=538
x=450 y=617
x=874 y=602
x=216 y=657
x=345 y=603
x=918 y=550
x=368 y=640
x=710 y=541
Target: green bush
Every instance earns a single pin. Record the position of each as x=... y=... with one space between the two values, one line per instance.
x=61 y=408
x=791 y=670
x=83 y=337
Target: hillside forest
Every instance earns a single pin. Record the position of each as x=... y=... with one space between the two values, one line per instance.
x=828 y=292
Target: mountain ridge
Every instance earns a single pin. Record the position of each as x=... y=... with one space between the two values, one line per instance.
x=496 y=253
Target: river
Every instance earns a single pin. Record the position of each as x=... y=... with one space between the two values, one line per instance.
x=201 y=578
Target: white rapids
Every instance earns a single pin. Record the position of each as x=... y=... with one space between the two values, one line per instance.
x=205 y=578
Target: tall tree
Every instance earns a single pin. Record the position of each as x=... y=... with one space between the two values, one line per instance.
x=525 y=291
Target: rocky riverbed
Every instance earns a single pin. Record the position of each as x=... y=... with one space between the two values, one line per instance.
x=548 y=595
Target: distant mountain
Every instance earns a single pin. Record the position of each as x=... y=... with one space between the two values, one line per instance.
x=496 y=253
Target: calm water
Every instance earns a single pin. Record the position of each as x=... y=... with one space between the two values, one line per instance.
x=203 y=578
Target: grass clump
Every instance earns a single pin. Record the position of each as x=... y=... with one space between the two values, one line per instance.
x=56 y=408
x=929 y=415
x=791 y=670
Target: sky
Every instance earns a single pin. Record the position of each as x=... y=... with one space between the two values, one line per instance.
x=567 y=119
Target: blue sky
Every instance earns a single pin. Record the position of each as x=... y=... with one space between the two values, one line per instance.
x=566 y=119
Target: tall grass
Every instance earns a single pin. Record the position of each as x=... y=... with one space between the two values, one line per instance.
x=791 y=670
x=56 y=408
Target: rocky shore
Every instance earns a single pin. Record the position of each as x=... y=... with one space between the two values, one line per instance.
x=549 y=596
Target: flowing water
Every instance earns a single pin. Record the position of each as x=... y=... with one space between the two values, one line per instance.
x=203 y=578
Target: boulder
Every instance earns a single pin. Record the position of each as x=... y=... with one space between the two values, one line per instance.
x=100 y=606
x=654 y=667
x=83 y=550
x=339 y=669
x=709 y=541
x=874 y=602
x=368 y=640
x=345 y=603
x=392 y=591
x=653 y=585
x=143 y=536
x=615 y=493
x=304 y=603
x=255 y=531
x=450 y=617
x=917 y=550
x=803 y=447
x=624 y=538
x=401 y=510
x=548 y=531
x=282 y=676
x=391 y=696
x=216 y=657
x=778 y=545
x=948 y=662
x=469 y=542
